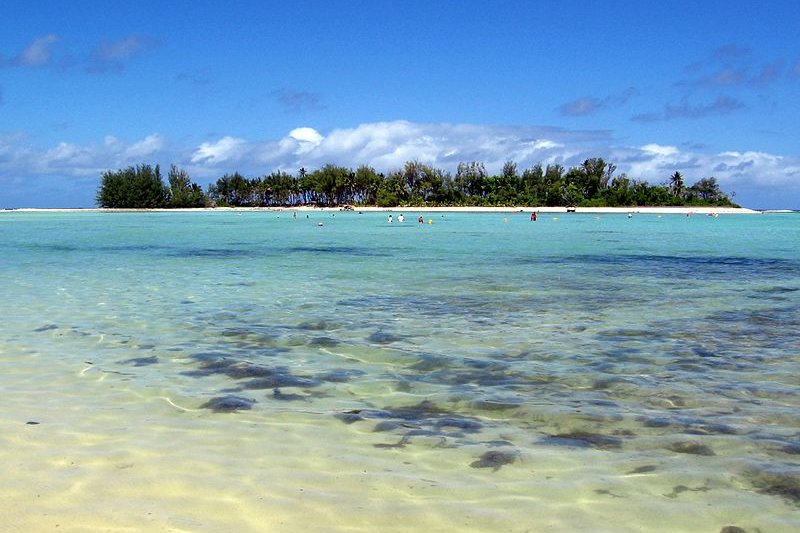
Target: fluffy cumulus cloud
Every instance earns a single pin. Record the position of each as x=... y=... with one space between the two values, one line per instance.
x=18 y=160
x=388 y=145
x=226 y=151
x=736 y=171
x=147 y=147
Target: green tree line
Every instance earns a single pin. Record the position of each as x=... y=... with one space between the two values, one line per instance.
x=591 y=184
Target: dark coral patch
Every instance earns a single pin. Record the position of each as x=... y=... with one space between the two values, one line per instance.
x=288 y=397
x=340 y=375
x=323 y=342
x=316 y=325
x=381 y=337
x=646 y=469
x=141 y=361
x=495 y=459
x=584 y=439
x=280 y=379
x=349 y=417
x=691 y=447
x=228 y=404
x=785 y=484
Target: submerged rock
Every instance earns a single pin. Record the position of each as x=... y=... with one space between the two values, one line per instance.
x=424 y=418
x=646 y=469
x=427 y=414
x=228 y=404
x=585 y=439
x=349 y=417
x=323 y=342
x=785 y=484
x=381 y=337
x=261 y=376
x=278 y=395
x=141 y=361
x=430 y=363
x=495 y=459
x=214 y=364
x=495 y=405
x=466 y=425
x=791 y=448
x=317 y=325
x=280 y=379
x=242 y=370
x=399 y=444
x=422 y=410
x=341 y=375
x=680 y=489
x=711 y=429
x=691 y=447
x=387 y=425
x=657 y=422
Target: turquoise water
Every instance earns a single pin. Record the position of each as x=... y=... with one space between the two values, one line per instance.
x=250 y=371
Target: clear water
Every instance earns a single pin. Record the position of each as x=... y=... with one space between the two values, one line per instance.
x=479 y=373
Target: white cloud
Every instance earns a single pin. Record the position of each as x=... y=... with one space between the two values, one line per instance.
x=148 y=146
x=659 y=150
x=309 y=135
x=37 y=53
x=307 y=139
x=227 y=149
x=70 y=159
x=388 y=145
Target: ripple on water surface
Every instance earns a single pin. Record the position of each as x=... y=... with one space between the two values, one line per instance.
x=586 y=385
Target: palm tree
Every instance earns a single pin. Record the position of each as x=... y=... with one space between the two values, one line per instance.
x=676 y=185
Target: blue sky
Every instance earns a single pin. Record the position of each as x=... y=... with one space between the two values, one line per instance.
x=705 y=88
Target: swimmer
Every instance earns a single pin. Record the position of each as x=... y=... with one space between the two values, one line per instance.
x=390 y=219
x=401 y=218
x=421 y=220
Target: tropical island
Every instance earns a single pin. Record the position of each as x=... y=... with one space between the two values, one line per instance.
x=591 y=184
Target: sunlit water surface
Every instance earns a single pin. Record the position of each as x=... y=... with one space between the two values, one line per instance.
x=224 y=371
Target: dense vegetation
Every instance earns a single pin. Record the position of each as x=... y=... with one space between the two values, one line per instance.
x=141 y=187
x=591 y=184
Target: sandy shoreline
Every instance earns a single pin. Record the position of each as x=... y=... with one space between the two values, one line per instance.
x=523 y=209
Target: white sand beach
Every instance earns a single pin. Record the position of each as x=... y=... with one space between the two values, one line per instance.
x=427 y=209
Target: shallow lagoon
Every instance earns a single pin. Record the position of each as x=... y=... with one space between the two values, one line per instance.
x=223 y=371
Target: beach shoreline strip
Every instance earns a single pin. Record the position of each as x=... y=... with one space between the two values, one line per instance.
x=415 y=209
